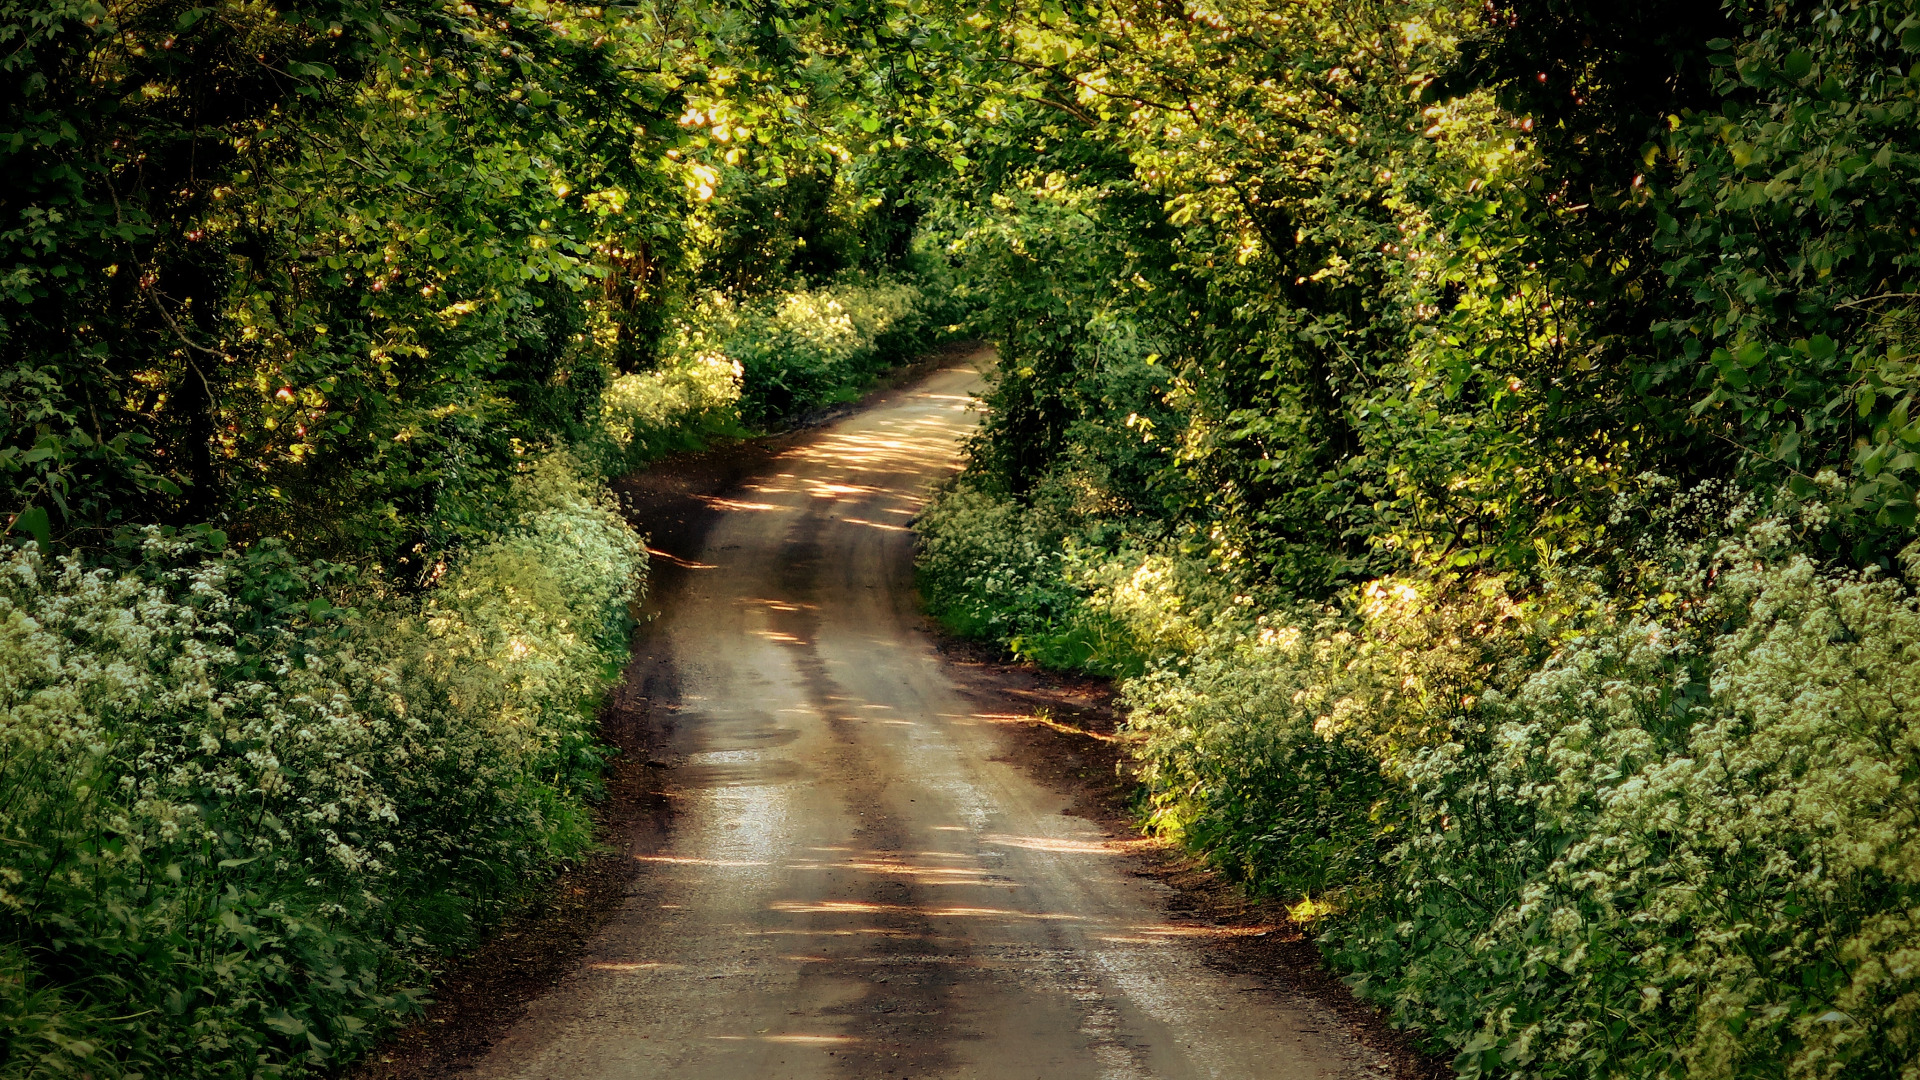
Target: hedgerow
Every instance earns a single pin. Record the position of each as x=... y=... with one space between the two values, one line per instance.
x=323 y=323
x=729 y=366
x=679 y=405
x=1682 y=846
x=249 y=799
x=805 y=347
x=1663 y=832
x=1523 y=408
x=1054 y=593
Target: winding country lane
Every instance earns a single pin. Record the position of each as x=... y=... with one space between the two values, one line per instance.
x=855 y=882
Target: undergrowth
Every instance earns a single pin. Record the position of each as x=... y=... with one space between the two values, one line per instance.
x=248 y=799
x=1659 y=824
x=732 y=366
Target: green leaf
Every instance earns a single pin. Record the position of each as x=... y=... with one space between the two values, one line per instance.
x=1797 y=66
x=247 y=933
x=33 y=521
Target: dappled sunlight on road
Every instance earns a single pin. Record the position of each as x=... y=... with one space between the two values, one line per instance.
x=688 y=860
x=875 y=524
x=931 y=911
x=855 y=868
x=1058 y=845
x=926 y=875
x=684 y=564
x=803 y=1040
x=737 y=504
x=632 y=966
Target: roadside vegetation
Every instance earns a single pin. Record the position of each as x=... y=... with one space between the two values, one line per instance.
x=1480 y=435
x=324 y=327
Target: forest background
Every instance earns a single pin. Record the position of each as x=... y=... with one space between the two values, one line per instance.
x=1479 y=434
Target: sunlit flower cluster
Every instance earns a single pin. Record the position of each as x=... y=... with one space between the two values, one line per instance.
x=1685 y=838
x=644 y=412
x=1719 y=821
x=798 y=347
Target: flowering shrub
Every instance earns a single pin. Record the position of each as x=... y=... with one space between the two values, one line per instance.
x=236 y=818
x=1273 y=748
x=653 y=412
x=245 y=799
x=1234 y=767
x=992 y=568
x=1685 y=846
x=988 y=568
x=733 y=362
x=1673 y=832
x=807 y=347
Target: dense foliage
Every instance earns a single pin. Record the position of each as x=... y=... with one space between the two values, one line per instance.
x=323 y=325
x=319 y=271
x=1483 y=434
x=239 y=817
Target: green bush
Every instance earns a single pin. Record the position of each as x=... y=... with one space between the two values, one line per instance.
x=1666 y=838
x=807 y=347
x=238 y=818
x=730 y=364
x=246 y=798
x=987 y=569
x=676 y=407
x=1659 y=828
x=1685 y=846
x=993 y=568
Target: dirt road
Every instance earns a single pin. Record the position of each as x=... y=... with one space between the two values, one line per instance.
x=856 y=882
